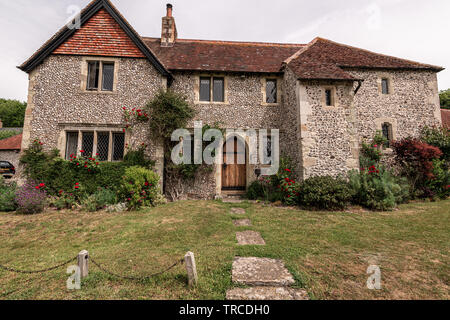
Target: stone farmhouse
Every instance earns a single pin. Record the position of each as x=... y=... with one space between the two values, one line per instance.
x=324 y=97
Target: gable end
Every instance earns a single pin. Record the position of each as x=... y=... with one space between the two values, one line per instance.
x=66 y=33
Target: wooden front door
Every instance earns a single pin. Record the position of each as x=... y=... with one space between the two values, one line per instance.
x=234 y=169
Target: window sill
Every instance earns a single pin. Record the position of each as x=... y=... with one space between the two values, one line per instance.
x=265 y=104
x=99 y=92
x=212 y=102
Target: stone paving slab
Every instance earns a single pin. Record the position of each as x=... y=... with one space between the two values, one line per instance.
x=261 y=272
x=249 y=238
x=238 y=211
x=232 y=201
x=267 y=293
x=242 y=223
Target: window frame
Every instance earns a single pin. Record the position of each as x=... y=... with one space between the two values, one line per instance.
x=276 y=91
x=96 y=131
x=212 y=79
x=85 y=71
x=383 y=87
x=390 y=134
x=333 y=98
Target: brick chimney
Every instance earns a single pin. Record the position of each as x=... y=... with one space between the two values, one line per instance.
x=169 y=30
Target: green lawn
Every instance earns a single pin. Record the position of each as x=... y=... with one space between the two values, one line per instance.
x=328 y=252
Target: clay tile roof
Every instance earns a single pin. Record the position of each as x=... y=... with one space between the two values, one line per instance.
x=205 y=55
x=325 y=59
x=445 y=118
x=13 y=143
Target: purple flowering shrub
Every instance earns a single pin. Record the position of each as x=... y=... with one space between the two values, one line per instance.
x=31 y=198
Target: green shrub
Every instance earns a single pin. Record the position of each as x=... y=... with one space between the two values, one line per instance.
x=138 y=158
x=140 y=187
x=255 y=191
x=378 y=189
x=63 y=201
x=325 y=193
x=99 y=200
x=439 y=185
x=7 y=196
x=61 y=175
x=288 y=187
x=31 y=197
x=371 y=153
x=438 y=137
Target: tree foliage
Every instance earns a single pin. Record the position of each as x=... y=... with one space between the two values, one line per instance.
x=444 y=96
x=12 y=113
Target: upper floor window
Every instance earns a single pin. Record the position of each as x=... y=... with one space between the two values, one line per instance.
x=271 y=91
x=104 y=145
x=329 y=98
x=100 y=76
x=212 y=89
x=385 y=86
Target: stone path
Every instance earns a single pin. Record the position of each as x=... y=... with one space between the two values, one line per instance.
x=242 y=223
x=267 y=293
x=249 y=238
x=268 y=279
x=239 y=211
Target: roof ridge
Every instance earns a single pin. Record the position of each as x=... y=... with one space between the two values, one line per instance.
x=256 y=43
x=299 y=52
x=376 y=53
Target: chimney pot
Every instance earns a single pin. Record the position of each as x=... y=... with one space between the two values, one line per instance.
x=169 y=32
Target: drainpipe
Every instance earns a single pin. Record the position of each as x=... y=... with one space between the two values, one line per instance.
x=359 y=86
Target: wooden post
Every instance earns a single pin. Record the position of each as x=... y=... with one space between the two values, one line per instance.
x=83 y=263
x=191 y=268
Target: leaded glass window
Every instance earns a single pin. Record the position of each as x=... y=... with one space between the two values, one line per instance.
x=205 y=89
x=87 y=144
x=218 y=90
x=118 y=146
x=108 y=76
x=271 y=91
x=103 y=146
x=71 y=144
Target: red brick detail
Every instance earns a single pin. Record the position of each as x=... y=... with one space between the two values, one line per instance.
x=13 y=143
x=100 y=36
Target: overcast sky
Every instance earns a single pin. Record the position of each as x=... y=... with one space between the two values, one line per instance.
x=412 y=29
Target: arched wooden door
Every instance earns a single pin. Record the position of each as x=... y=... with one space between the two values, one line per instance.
x=234 y=168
